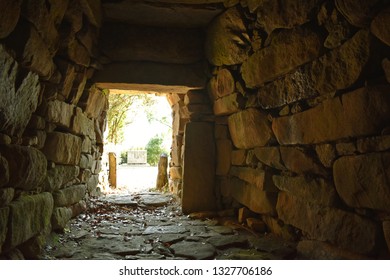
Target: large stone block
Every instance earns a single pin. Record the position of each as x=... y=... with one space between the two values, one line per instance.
x=59 y=176
x=224 y=150
x=9 y=14
x=337 y=118
x=373 y=144
x=60 y=218
x=27 y=166
x=315 y=190
x=343 y=229
x=363 y=181
x=175 y=172
x=238 y=157
x=341 y=67
x=198 y=192
x=97 y=102
x=6 y=196
x=221 y=84
x=228 y=105
x=3 y=225
x=69 y=196
x=259 y=178
x=17 y=103
x=317 y=250
x=62 y=148
x=86 y=161
x=59 y=113
x=278 y=228
x=4 y=171
x=93 y=11
x=380 y=26
x=288 y=50
x=29 y=215
x=255 y=199
x=358 y=12
x=249 y=129
x=227 y=40
x=283 y=14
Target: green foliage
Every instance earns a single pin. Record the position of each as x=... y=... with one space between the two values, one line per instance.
x=123 y=157
x=154 y=150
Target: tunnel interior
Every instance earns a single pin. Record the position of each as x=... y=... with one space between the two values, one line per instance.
x=280 y=108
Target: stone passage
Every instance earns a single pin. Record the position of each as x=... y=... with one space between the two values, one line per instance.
x=281 y=111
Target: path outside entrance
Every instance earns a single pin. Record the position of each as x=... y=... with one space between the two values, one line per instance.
x=134 y=223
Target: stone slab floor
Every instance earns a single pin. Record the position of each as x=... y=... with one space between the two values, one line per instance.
x=151 y=226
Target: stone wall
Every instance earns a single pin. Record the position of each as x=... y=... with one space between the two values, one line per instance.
x=51 y=119
x=302 y=89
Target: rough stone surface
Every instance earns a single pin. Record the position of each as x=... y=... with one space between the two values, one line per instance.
x=29 y=215
x=224 y=150
x=10 y=12
x=4 y=170
x=82 y=125
x=257 y=177
x=155 y=199
x=280 y=229
x=289 y=49
x=6 y=196
x=343 y=229
x=18 y=102
x=386 y=68
x=27 y=166
x=175 y=172
x=299 y=161
x=198 y=251
x=63 y=148
x=380 y=26
x=337 y=118
x=221 y=84
x=96 y=103
x=346 y=148
x=363 y=181
x=60 y=217
x=317 y=250
x=249 y=129
x=258 y=201
x=373 y=144
x=222 y=242
x=69 y=196
x=316 y=190
x=86 y=161
x=3 y=224
x=227 y=40
x=228 y=105
x=326 y=154
x=256 y=225
x=283 y=14
x=358 y=13
x=59 y=176
x=270 y=156
x=342 y=67
x=386 y=231
x=59 y=113
x=238 y=157
x=199 y=168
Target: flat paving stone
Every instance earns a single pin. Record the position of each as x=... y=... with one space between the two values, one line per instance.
x=164 y=229
x=122 y=200
x=168 y=238
x=225 y=241
x=245 y=254
x=221 y=229
x=155 y=199
x=194 y=250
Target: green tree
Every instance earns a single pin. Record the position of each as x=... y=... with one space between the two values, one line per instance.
x=154 y=150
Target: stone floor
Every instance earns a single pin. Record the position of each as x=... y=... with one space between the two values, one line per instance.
x=151 y=226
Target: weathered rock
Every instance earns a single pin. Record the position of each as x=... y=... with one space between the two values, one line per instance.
x=343 y=229
x=228 y=105
x=283 y=14
x=27 y=166
x=68 y=73
x=59 y=113
x=244 y=213
x=175 y=172
x=386 y=231
x=18 y=103
x=257 y=177
x=288 y=50
x=358 y=13
x=86 y=161
x=221 y=84
x=326 y=154
x=92 y=183
x=28 y=216
x=224 y=150
x=290 y=88
x=59 y=176
x=249 y=129
x=238 y=157
x=386 y=68
x=199 y=251
x=97 y=102
x=32 y=249
x=61 y=217
x=346 y=148
x=373 y=144
x=93 y=11
x=155 y=199
x=62 y=148
x=317 y=250
x=78 y=208
x=86 y=146
x=380 y=26
x=299 y=161
x=9 y=14
x=79 y=83
x=196 y=97
x=226 y=241
x=256 y=225
x=270 y=156
x=278 y=228
x=362 y=181
x=3 y=225
x=6 y=196
x=199 y=168
x=316 y=190
x=227 y=41
x=172 y=229
x=4 y=171
x=5 y=139
x=69 y=196
x=337 y=118
x=341 y=67
x=258 y=201
x=77 y=53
